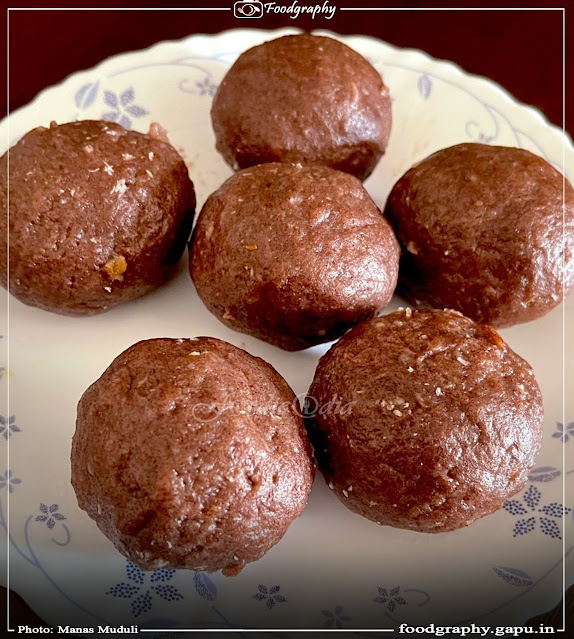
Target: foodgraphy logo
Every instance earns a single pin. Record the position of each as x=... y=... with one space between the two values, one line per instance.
x=256 y=9
x=248 y=9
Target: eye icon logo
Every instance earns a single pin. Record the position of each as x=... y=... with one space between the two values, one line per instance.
x=248 y=9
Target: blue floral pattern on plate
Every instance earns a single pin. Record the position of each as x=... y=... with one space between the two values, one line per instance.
x=562 y=433
x=122 y=108
x=50 y=515
x=206 y=86
x=513 y=576
x=544 y=474
x=335 y=619
x=270 y=596
x=530 y=501
x=204 y=586
x=424 y=85
x=9 y=480
x=390 y=598
x=141 y=588
x=8 y=426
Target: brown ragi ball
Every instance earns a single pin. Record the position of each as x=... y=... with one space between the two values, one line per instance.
x=483 y=230
x=99 y=215
x=303 y=98
x=293 y=254
x=191 y=453
x=424 y=420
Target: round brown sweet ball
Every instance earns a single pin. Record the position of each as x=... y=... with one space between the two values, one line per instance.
x=483 y=230
x=191 y=453
x=303 y=98
x=293 y=254
x=98 y=216
x=424 y=420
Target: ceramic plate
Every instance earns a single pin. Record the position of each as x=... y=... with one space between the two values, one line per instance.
x=333 y=569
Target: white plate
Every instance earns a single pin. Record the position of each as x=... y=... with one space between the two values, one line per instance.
x=333 y=568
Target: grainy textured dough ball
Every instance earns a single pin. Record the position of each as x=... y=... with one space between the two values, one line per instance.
x=303 y=98
x=98 y=216
x=191 y=453
x=293 y=254
x=424 y=420
x=481 y=228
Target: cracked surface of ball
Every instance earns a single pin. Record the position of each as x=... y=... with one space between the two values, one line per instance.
x=99 y=215
x=303 y=98
x=425 y=420
x=485 y=230
x=191 y=453
x=294 y=255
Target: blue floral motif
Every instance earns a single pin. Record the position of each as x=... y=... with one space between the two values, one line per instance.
x=206 y=86
x=270 y=596
x=204 y=586
x=513 y=576
x=8 y=426
x=335 y=619
x=562 y=433
x=86 y=95
x=8 y=480
x=50 y=515
x=424 y=85
x=141 y=596
x=122 y=108
x=531 y=499
x=392 y=598
x=544 y=474
x=134 y=573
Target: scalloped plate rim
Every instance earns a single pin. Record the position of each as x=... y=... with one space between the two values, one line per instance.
x=533 y=111
x=534 y=115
